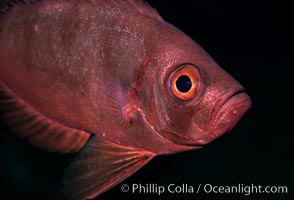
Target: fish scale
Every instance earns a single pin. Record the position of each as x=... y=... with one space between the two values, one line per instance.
x=103 y=78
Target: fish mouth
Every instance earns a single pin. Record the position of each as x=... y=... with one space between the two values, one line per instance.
x=227 y=116
x=227 y=112
x=232 y=110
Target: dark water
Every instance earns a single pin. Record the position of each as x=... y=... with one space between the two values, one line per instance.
x=250 y=40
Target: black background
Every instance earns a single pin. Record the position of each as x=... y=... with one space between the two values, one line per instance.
x=251 y=40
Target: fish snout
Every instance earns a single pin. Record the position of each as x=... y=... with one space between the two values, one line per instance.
x=227 y=115
x=232 y=110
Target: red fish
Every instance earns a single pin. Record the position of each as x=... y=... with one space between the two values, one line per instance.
x=113 y=80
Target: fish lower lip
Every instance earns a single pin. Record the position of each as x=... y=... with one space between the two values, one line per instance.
x=232 y=110
x=227 y=116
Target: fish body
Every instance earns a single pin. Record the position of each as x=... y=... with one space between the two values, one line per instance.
x=114 y=70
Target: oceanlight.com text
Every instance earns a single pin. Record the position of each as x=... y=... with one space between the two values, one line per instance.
x=185 y=188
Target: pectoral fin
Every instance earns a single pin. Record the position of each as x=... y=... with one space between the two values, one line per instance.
x=100 y=166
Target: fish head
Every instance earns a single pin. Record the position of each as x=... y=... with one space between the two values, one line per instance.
x=186 y=96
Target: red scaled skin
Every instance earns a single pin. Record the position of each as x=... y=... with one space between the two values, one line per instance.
x=104 y=70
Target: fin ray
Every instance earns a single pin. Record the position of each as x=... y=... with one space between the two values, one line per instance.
x=26 y=122
x=100 y=166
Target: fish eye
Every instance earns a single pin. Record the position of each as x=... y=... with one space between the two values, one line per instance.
x=184 y=82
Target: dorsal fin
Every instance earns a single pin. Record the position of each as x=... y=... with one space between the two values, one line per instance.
x=139 y=6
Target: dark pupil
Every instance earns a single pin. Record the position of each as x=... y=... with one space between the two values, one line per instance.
x=184 y=84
